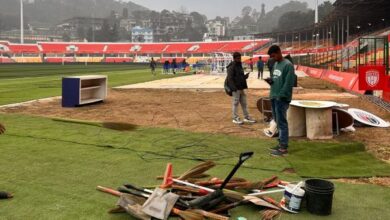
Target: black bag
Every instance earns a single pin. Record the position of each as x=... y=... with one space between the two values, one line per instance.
x=228 y=90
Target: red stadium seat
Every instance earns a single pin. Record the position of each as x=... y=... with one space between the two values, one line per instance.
x=114 y=48
x=23 y=48
x=178 y=48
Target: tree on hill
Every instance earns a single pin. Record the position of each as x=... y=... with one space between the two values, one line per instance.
x=51 y=12
x=299 y=19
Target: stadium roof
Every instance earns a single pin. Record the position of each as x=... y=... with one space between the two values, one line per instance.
x=360 y=12
x=363 y=14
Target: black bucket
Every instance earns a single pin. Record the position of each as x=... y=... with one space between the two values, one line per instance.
x=319 y=196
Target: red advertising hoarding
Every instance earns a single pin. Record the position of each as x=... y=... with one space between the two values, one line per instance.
x=342 y=79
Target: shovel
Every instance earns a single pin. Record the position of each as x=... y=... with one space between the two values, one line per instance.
x=213 y=199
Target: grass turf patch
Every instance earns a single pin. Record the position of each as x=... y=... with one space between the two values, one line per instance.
x=53 y=168
x=41 y=81
x=335 y=160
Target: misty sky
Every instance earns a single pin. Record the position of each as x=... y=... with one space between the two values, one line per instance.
x=212 y=8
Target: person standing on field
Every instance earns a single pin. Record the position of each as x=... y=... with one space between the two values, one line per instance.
x=260 y=68
x=153 y=65
x=236 y=81
x=251 y=64
x=282 y=83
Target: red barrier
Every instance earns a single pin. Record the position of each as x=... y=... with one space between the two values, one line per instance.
x=386 y=96
x=355 y=88
x=316 y=73
x=387 y=84
x=303 y=68
x=344 y=80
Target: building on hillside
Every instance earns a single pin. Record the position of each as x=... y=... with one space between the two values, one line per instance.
x=216 y=28
x=140 y=34
x=167 y=26
x=83 y=22
x=80 y=28
x=127 y=24
x=244 y=37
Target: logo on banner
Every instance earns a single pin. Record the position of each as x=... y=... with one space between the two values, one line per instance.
x=368 y=118
x=372 y=77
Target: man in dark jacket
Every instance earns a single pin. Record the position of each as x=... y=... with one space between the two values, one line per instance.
x=153 y=65
x=282 y=83
x=270 y=65
x=236 y=80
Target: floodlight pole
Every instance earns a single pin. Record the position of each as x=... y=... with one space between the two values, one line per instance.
x=316 y=22
x=21 y=23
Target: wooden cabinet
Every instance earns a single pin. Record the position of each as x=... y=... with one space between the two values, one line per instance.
x=81 y=90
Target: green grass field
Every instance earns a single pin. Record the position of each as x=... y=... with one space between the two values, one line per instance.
x=19 y=83
x=53 y=167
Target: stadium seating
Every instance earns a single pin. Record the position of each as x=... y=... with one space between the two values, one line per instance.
x=59 y=59
x=27 y=59
x=6 y=60
x=89 y=59
x=24 y=49
x=209 y=47
x=177 y=48
x=117 y=60
x=55 y=50
x=90 y=48
x=118 y=48
x=151 y=48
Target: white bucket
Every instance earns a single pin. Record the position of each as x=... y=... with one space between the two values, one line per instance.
x=292 y=198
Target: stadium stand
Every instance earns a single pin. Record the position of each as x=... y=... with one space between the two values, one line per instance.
x=148 y=48
x=117 y=60
x=120 y=48
x=6 y=60
x=23 y=49
x=122 y=52
x=177 y=48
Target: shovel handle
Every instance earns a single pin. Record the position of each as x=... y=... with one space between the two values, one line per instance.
x=243 y=157
x=210 y=215
x=109 y=191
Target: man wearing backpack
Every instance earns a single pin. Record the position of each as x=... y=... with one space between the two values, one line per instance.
x=236 y=81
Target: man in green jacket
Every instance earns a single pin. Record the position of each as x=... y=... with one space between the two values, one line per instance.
x=282 y=84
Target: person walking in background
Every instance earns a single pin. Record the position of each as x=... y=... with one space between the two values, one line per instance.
x=153 y=65
x=166 y=67
x=282 y=83
x=236 y=81
x=174 y=66
x=184 y=64
x=260 y=68
x=251 y=64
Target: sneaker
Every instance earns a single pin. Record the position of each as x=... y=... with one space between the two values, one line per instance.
x=237 y=121
x=249 y=120
x=274 y=148
x=279 y=153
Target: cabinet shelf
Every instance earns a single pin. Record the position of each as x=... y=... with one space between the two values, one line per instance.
x=77 y=91
x=90 y=88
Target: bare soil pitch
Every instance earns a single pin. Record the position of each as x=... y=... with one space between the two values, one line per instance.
x=210 y=112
